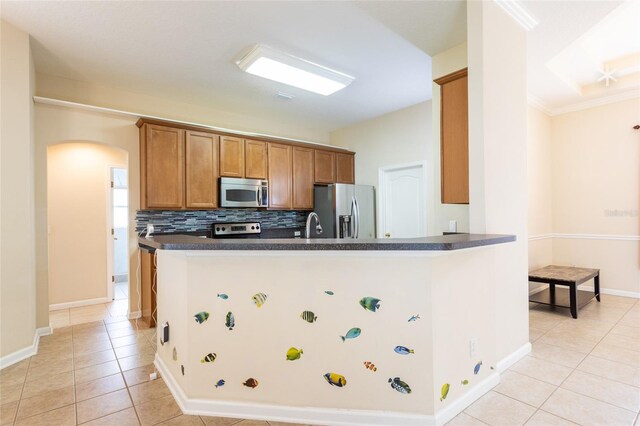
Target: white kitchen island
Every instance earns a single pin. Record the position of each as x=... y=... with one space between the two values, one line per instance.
x=437 y=306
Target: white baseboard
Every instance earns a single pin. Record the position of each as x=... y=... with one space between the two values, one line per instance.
x=283 y=413
x=134 y=314
x=514 y=357
x=446 y=414
x=78 y=303
x=25 y=353
x=613 y=292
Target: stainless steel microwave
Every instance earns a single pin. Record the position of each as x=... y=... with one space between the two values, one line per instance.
x=236 y=192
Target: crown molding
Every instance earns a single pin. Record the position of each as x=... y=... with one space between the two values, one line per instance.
x=518 y=13
x=579 y=106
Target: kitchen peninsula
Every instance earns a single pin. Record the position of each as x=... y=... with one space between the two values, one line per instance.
x=328 y=331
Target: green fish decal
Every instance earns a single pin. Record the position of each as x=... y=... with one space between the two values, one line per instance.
x=464 y=382
x=370 y=303
x=308 y=316
x=329 y=292
x=476 y=369
x=230 y=321
x=335 y=379
x=209 y=358
x=201 y=317
x=293 y=354
x=182 y=369
x=223 y=296
x=175 y=354
x=259 y=299
x=399 y=385
x=351 y=334
x=444 y=391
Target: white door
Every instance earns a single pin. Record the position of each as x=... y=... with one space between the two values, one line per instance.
x=119 y=261
x=402 y=201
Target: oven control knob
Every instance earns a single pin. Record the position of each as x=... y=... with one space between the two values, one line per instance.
x=218 y=228
x=257 y=226
x=253 y=227
x=224 y=229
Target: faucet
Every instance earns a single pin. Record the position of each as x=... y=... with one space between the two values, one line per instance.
x=307 y=229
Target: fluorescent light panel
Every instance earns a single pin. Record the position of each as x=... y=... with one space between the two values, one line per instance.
x=518 y=13
x=275 y=65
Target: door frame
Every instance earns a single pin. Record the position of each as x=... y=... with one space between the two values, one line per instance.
x=382 y=171
x=110 y=241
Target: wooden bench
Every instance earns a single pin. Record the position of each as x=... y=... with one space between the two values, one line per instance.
x=565 y=276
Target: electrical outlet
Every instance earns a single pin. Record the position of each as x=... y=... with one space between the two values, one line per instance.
x=473 y=347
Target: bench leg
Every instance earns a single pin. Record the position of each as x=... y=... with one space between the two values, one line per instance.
x=552 y=294
x=573 y=297
x=596 y=287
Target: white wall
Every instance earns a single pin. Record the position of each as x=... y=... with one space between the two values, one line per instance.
x=400 y=137
x=55 y=125
x=17 y=246
x=444 y=63
x=540 y=213
x=498 y=158
x=78 y=187
x=596 y=192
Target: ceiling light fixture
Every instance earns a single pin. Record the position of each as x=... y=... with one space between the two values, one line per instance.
x=273 y=64
x=521 y=15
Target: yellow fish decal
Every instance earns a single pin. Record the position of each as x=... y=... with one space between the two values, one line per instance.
x=444 y=392
x=259 y=299
x=335 y=379
x=293 y=354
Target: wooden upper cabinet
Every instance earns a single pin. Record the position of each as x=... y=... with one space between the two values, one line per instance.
x=302 y=178
x=255 y=159
x=280 y=176
x=201 y=163
x=344 y=168
x=454 y=138
x=324 y=166
x=231 y=157
x=163 y=167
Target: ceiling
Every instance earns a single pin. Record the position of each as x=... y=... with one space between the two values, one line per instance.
x=186 y=51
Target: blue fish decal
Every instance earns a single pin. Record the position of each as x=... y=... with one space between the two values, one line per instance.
x=220 y=383
x=351 y=334
x=223 y=296
x=370 y=303
x=476 y=369
x=402 y=350
x=413 y=318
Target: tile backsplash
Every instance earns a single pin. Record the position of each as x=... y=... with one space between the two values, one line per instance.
x=198 y=220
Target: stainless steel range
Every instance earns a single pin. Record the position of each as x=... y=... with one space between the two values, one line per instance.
x=237 y=230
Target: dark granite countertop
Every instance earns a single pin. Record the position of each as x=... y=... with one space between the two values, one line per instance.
x=444 y=242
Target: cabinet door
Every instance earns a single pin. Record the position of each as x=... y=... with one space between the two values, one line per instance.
x=280 y=176
x=344 y=168
x=201 y=151
x=164 y=168
x=454 y=139
x=148 y=287
x=231 y=156
x=324 y=166
x=255 y=159
x=302 y=178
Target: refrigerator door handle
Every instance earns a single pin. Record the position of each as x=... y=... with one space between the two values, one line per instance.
x=356 y=224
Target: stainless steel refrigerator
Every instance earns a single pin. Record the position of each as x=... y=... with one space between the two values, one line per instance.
x=345 y=211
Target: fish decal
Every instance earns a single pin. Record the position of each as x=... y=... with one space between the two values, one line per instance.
x=444 y=391
x=293 y=354
x=182 y=369
x=335 y=379
x=251 y=383
x=201 y=317
x=370 y=303
x=175 y=354
x=351 y=334
x=309 y=316
x=370 y=366
x=465 y=382
x=399 y=385
x=329 y=292
x=230 y=321
x=223 y=296
x=209 y=358
x=259 y=299
x=219 y=383
x=413 y=318
x=476 y=369
x=402 y=350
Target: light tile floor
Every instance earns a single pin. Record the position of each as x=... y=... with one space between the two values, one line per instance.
x=95 y=369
